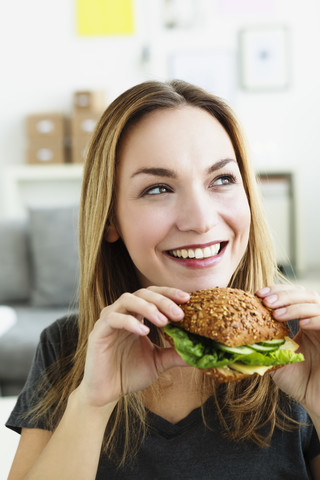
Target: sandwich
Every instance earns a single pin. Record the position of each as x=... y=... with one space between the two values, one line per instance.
x=230 y=335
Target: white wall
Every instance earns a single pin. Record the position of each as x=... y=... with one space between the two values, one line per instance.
x=43 y=62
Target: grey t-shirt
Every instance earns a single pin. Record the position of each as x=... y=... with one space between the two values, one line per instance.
x=188 y=449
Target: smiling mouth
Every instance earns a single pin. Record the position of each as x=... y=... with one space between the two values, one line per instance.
x=198 y=253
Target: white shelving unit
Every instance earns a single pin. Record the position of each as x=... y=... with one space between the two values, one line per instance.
x=280 y=194
x=24 y=186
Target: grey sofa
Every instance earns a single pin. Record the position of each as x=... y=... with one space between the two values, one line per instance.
x=39 y=272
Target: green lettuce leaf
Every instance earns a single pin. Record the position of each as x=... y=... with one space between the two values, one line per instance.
x=202 y=352
x=197 y=351
x=279 y=357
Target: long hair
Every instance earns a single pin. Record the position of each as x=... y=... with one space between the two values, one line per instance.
x=107 y=270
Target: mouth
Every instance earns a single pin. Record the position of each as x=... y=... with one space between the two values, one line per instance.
x=198 y=253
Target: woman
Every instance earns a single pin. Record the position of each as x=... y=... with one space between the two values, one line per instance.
x=166 y=173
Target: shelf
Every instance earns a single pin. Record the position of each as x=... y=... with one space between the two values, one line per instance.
x=36 y=186
x=44 y=172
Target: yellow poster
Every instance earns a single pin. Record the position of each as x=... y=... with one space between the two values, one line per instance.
x=104 y=17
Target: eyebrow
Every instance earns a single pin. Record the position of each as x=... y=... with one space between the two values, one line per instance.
x=165 y=172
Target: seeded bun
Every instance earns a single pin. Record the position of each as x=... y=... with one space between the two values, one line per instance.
x=230 y=316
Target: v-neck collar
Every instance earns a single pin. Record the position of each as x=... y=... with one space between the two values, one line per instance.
x=168 y=429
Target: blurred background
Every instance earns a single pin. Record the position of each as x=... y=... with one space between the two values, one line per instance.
x=260 y=55
x=63 y=62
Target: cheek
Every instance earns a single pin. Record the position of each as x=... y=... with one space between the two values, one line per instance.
x=241 y=217
x=142 y=227
x=244 y=214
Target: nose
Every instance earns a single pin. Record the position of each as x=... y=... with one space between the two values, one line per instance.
x=196 y=212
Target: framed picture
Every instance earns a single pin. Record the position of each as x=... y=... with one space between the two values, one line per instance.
x=264 y=58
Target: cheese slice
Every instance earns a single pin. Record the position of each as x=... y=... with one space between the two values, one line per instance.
x=249 y=369
x=289 y=344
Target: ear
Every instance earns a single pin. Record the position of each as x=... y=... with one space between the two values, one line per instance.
x=111 y=234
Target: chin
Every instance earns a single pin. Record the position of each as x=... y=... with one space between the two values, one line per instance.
x=193 y=284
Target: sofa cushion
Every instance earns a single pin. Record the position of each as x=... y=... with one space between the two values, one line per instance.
x=14 y=261
x=18 y=344
x=54 y=254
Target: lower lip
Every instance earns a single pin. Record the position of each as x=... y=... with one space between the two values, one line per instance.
x=199 y=262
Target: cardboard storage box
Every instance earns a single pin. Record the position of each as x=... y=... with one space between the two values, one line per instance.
x=46 y=153
x=83 y=124
x=50 y=125
x=89 y=101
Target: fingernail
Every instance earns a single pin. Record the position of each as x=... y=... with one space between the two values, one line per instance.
x=183 y=295
x=280 y=311
x=143 y=329
x=305 y=321
x=161 y=319
x=272 y=299
x=264 y=291
x=176 y=311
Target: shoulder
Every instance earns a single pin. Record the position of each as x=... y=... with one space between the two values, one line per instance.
x=61 y=336
x=52 y=361
x=56 y=349
x=60 y=327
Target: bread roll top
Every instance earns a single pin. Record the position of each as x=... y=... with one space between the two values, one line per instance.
x=230 y=316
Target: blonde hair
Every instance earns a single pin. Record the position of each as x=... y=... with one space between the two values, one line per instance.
x=107 y=270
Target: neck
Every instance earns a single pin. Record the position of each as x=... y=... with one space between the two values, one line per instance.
x=177 y=392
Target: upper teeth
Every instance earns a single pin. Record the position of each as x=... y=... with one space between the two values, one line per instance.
x=197 y=252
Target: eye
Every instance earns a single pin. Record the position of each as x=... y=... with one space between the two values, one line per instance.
x=225 y=180
x=157 y=190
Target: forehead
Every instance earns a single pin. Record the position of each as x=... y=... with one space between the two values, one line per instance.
x=169 y=133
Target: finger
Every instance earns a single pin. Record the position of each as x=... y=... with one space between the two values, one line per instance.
x=301 y=310
x=140 y=304
x=175 y=294
x=279 y=287
x=165 y=305
x=167 y=358
x=311 y=323
x=285 y=295
x=107 y=324
x=263 y=292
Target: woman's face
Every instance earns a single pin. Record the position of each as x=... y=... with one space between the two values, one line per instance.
x=181 y=209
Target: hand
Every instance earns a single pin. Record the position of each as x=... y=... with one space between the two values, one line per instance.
x=301 y=380
x=120 y=356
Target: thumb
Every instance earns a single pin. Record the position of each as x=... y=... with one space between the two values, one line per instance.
x=168 y=358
